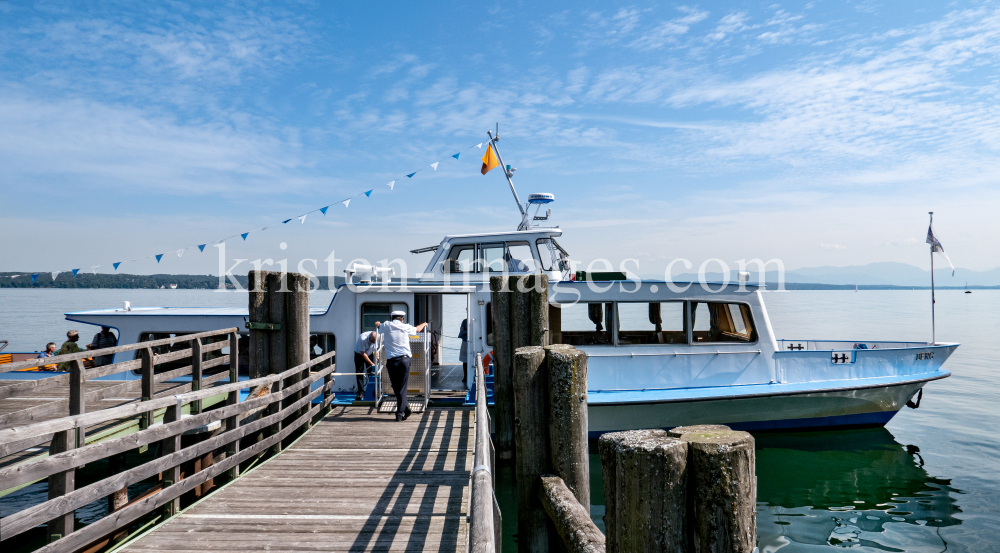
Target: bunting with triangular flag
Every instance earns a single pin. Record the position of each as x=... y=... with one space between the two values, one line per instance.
x=347 y=203
x=55 y=274
x=180 y=252
x=480 y=145
x=435 y=165
x=391 y=184
x=410 y=176
x=158 y=257
x=244 y=235
x=323 y=209
x=75 y=271
x=201 y=247
x=302 y=219
x=456 y=155
x=34 y=277
x=285 y=222
x=489 y=161
x=95 y=268
x=369 y=193
x=116 y=264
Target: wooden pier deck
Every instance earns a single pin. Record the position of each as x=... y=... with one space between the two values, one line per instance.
x=357 y=481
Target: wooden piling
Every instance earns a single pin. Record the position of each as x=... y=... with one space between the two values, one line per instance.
x=502 y=368
x=645 y=491
x=538 y=306
x=259 y=348
x=571 y=519
x=297 y=336
x=568 y=433
x=61 y=483
x=531 y=437
x=277 y=339
x=722 y=490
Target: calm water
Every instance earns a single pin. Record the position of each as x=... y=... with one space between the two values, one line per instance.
x=929 y=481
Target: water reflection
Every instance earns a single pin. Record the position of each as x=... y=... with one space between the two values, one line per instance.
x=849 y=488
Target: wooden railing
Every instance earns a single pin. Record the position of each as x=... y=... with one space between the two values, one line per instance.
x=286 y=408
x=147 y=362
x=484 y=513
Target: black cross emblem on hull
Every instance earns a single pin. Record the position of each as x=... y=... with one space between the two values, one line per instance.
x=796 y=347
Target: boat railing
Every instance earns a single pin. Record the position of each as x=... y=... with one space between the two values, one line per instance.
x=178 y=468
x=839 y=345
x=148 y=362
x=484 y=514
x=674 y=353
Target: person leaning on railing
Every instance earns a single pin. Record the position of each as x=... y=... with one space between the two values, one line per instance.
x=396 y=335
x=104 y=339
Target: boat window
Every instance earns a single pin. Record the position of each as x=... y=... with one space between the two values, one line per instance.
x=722 y=322
x=372 y=312
x=651 y=323
x=547 y=254
x=519 y=258
x=586 y=324
x=492 y=256
x=461 y=259
x=320 y=344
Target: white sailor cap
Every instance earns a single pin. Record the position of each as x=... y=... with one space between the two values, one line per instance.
x=395 y=314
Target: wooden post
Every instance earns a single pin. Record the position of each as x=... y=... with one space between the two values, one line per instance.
x=538 y=306
x=77 y=397
x=259 y=350
x=645 y=491
x=196 y=373
x=146 y=355
x=567 y=388
x=571 y=519
x=531 y=437
x=722 y=489
x=276 y=292
x=297 y=316
x=172 y=475
x=233 y=422
x=520 y=314
x=61 y=483
x=502 y=368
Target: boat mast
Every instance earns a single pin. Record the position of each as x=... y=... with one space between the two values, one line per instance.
x=525 y=220
x=933 y=329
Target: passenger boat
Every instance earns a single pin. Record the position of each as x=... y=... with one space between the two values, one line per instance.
x=661 y=354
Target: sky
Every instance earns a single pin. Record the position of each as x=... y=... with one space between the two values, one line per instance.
x=818 y=133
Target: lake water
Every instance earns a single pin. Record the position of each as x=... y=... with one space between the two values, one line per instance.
x=928 y=481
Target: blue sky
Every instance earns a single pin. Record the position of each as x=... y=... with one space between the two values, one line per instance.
x=819 y=133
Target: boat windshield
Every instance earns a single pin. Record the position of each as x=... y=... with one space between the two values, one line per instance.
x=548 y=253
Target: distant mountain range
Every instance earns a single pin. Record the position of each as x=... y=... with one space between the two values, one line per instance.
x=885 y=274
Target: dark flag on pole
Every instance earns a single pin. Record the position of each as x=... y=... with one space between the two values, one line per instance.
x=937 y=247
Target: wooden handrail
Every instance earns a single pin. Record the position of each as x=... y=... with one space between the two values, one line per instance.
x=484 y=515
x=118 y=349
x=291 y=417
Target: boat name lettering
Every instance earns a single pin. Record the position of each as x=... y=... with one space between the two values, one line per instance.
x=925 y=356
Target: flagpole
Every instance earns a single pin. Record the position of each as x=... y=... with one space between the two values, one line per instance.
x=493 y=140
x=933 y=301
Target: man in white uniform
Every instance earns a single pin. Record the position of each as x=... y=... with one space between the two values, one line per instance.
x=396 y=337
x=364 y=357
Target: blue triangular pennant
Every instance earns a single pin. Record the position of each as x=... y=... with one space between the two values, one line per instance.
x=75 y=271
x=244 y=235
x=285 y=221
x=456 y=155
x=158 y=256
x=369 y=193
x=33 y=277
x=116 y=264
x=410 y=176
x=323 y=209
x=202 y=247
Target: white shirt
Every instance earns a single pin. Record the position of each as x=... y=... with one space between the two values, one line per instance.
x=363 y=345
x=396 y=336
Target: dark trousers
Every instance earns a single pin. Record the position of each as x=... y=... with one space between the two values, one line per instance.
x=399 y=376
x=361 y=367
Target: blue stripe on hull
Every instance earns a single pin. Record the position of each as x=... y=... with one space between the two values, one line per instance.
x=815 y=423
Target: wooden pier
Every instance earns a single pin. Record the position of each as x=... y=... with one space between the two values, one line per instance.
x=357 y=481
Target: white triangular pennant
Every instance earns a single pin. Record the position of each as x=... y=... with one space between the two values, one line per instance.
x=480 y=145
x=180 y=252
x=94 y=269
x=55 y=274
x=435 y=165
x=302 y=219
x=390 y=184
x=346 y=203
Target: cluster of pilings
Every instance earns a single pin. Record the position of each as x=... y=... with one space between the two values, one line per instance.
x=690 y=489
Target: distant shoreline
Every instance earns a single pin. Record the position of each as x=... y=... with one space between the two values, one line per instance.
x=211 y=282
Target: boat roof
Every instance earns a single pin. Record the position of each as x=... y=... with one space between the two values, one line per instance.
x=546 y=231
x=182 y=311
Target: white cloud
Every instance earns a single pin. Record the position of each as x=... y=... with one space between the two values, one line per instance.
x=832 y=246
x=729 y=24
x=668 y=31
